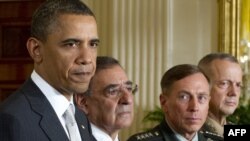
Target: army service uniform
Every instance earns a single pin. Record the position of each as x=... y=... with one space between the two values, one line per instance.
x=163 y=132
x=214 y=127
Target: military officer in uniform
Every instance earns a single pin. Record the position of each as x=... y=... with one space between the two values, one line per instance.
x=225 y=74
x=162 y=132
x=184 y=101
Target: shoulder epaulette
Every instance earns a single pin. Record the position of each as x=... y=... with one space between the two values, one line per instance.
x=152 y=135
x=212 y=136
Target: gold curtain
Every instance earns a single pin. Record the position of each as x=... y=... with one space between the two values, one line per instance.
x=229 y=23
x=244 y=48
x=245 y=31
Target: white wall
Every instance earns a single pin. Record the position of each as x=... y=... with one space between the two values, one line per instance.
x=194 y=29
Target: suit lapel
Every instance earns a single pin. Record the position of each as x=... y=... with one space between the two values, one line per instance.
x=83 y=125
x=52 y=127
x=49 y=123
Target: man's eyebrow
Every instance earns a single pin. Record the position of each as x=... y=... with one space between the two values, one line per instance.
x=115 y=85
x=95 y=40
x=128 y=82
x=78 y=40
x=111 y=86
x=184 y=91
x=70 y=40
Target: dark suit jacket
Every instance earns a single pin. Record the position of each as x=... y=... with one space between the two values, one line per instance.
x=163 y=132
x=27 y=115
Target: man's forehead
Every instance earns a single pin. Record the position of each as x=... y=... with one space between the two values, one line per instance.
x=110 y=76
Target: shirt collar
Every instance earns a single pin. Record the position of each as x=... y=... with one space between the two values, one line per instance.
x=56 y=99
x=179 y=136
x=100 y=135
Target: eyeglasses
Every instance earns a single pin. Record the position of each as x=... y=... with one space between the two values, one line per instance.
x=225 y=84
x=116 y=90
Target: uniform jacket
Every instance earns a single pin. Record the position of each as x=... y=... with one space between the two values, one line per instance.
x=28 y=116
x=163 y=132
x=214 y=127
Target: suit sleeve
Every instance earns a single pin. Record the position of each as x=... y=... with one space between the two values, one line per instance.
x=9 y=128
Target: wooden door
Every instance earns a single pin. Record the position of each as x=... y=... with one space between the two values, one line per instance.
x=15 y=62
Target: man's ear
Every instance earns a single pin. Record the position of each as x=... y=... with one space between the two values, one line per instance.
x=81 y=102
x=163 y=101
x=34 y=47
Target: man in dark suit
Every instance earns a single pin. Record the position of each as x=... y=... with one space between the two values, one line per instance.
x=63 y=45
x=109 y=101
x=184 y=101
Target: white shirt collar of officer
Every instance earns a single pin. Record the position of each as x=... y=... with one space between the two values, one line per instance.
x=180 y=137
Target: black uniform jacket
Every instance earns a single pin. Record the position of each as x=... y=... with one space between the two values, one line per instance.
x=163 y=132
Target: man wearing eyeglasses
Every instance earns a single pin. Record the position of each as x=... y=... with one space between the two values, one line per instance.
x=109 y=100
x=225 y=74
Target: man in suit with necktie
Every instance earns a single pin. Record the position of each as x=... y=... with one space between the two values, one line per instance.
x=63 y=45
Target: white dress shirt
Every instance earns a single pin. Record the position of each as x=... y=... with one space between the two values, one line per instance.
x=100 y=135
x=59 y=102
